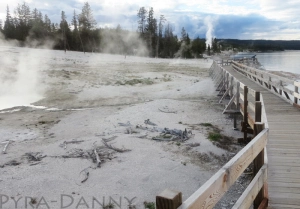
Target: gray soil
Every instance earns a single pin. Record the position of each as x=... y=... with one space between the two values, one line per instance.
x=51 y=157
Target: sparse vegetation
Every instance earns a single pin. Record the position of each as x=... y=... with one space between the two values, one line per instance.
x=206 y=124
x=149 y=205
x=214 y=136
x=132 y=82
x=109 y=206
x=166 y=78
x=33 y=200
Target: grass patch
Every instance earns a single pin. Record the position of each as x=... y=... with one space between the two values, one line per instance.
x=149 y=205
x=213 y=136
x=132 y=82
x=206 y=124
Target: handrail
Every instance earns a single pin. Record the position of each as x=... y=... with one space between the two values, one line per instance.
x=212 y=191
x=272 y=82
x=263 y=73
x=255 y=151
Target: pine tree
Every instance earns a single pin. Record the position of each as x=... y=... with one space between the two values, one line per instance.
x=87 y=24
x=76 y=39
x=37 y=26
x=22 y=21
x=142 y=16
x=47 y=25
x=215 y=45
x=9 y=28
x=151 y=27
x=170 y=42
x=86 y=19
x=183 y=35
x=64 y=29
x=198 y=46
x=162 y=20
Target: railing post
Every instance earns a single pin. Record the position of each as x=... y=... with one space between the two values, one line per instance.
x=295 y=98
x=237 y=104
x=231 y=87
x=280 y=90
x=258 y=107
x=245 y=123
x=227 y=81
x=168 y=199
x=259 y=160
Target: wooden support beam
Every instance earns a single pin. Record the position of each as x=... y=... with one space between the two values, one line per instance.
x=245 y=111
x=246 y=199
x=257 y=96
x=231 y=84
x=286 y=95
x=257 y=164
x=219 y=85
x=222 y=89
x=296 y=95
x=258 y=111
x=238 y=96
x=280 y=88
x=264 y=204
x=229 y=105
x=227 y=81
x=251 y=106
x=274 y=88
x=225 y=94
x=168 y=199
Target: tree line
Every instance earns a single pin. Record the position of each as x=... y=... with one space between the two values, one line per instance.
x=156 y=35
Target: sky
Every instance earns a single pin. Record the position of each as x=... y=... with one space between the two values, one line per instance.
x=237 y=19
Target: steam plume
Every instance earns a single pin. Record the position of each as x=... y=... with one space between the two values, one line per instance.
x=20 y=69
x=209 y=23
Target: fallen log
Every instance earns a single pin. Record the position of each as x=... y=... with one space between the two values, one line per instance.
x=5 y=147
x=148 y=122
x=109 y=139
x=114 y=148
x=86 y=177
x=164 y=111
x=70 y=142
x=124 y=124
x=97 y=158
x=164 y=139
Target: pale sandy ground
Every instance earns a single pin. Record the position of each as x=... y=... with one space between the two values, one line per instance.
x=81 y=98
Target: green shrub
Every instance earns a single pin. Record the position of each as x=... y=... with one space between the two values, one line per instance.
x=149 y=205
x=213 y=136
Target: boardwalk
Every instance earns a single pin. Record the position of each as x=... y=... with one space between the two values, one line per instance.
x=283 y=147
x=271 y=113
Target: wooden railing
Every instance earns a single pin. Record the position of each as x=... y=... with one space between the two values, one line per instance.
x=276 y=84
x=250 y=103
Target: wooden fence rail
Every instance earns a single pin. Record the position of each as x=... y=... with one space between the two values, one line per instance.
x=250 y=103
x=277 y=84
